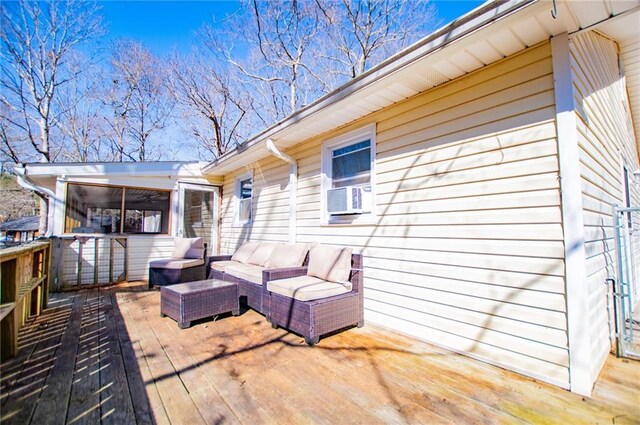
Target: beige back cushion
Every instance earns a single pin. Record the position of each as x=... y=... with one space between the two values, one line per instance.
x=284 y=256
x=188 y=248
x=330 y=263
x=244 y=252
x=261 y=255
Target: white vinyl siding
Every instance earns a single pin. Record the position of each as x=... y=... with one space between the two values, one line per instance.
x=630 y=54
x=606 y=141
x=467 y=250
x=144 y=249
x=270 y=207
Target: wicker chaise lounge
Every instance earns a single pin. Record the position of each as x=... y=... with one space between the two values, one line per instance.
x=186 y=264
x=301 y=301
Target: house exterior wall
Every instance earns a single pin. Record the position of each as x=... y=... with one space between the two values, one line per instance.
x=606 y=144
x=143 y=250
x=467 y=251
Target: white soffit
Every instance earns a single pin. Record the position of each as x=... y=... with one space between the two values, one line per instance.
x=626 y=30
x=42 y=173
x=430 y=65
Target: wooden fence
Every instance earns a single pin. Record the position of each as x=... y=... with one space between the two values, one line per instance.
x=24 y=289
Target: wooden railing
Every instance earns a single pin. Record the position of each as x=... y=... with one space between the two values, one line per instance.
x=24 y=289
x=88 y=261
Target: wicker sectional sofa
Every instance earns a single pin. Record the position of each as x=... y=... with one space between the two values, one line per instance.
x=245 y=267
x=320 y=294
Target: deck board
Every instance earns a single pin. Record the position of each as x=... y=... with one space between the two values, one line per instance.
x=84 y=402
x=106 y=356
x=50 y=407
x=38 y=348
x=116 y=404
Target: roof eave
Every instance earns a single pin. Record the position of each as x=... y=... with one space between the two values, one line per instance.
x=439 y=39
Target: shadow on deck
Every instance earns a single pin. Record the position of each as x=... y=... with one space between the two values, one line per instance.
x=106 y=356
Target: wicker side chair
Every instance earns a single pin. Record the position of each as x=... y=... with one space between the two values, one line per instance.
x=187 y=263
x=318 y=317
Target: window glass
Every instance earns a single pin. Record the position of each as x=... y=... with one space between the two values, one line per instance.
x=244 y=194
x=245 y=189
x=144 y=208
x=198 y=215
x=93 y=209
x=351 y=165
x=98 y=209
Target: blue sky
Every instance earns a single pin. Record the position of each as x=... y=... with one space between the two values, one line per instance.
x=163 y=25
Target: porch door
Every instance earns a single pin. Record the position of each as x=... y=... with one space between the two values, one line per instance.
x=199 y=214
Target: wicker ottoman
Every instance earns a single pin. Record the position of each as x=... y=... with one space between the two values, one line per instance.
x=190 y=301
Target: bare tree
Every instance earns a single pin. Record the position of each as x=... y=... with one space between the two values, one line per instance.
x=291 y=52
x=363 y=33
x=139 y=99
x=279 y=37
x=36 y=38
x=16 y=201
x=214 y=107
x=82 y=124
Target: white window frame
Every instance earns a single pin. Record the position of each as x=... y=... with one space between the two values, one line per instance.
x=352 y=137
x=180 y=212
x=236 y=199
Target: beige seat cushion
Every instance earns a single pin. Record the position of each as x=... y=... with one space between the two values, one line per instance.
x=287 y=256
x=176 y=263
x=222 y=265
x=261 y=255
x=248 y=272
x=330 y=263
x=244 y=252
x=307 y=288
x=188 y=248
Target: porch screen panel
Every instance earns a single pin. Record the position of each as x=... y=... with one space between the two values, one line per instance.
x=98 y=209
x=146 y=211
x=198 y=214
x=93 y=209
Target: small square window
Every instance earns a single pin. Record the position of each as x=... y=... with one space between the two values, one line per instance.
x=243 y=196
x=348 y=178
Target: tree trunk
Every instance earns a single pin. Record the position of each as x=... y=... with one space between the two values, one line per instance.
x=44 y=213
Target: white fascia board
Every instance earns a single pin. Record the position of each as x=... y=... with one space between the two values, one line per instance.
x=576 y=287
x=134 y=169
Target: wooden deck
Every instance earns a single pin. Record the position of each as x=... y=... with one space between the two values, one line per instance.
x=106 y=356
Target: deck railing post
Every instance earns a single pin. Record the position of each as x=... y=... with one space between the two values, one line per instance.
x=55 y=264
x=111 y=259
x=44 y=295
x=96 y=264
x=79 y=265
x=126 y=259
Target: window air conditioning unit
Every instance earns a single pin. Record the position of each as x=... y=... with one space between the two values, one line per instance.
x=344 y=200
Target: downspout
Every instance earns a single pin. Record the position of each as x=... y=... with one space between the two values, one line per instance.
x=27 y=183
x=293 y=187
